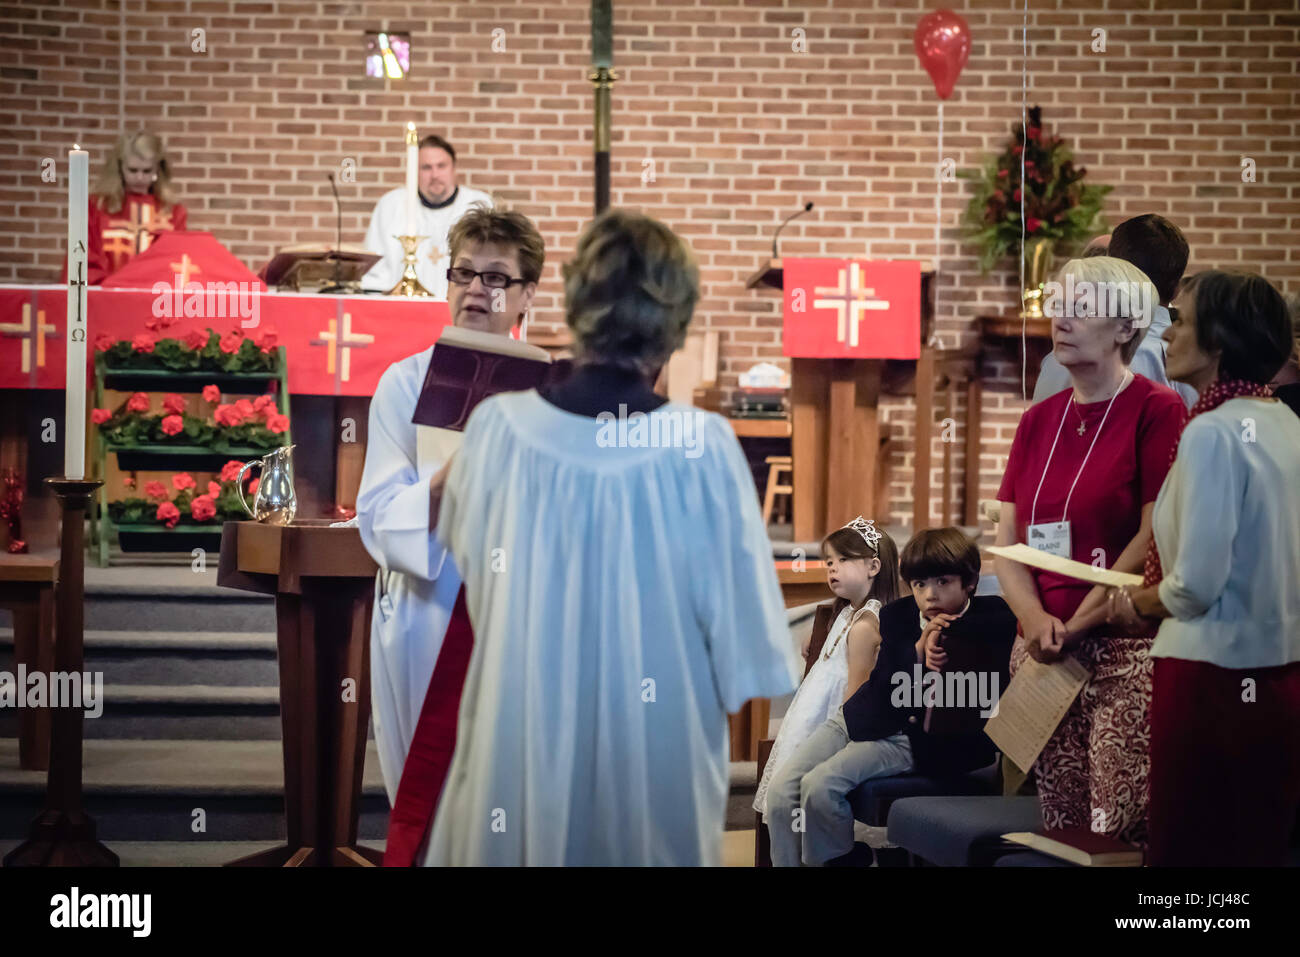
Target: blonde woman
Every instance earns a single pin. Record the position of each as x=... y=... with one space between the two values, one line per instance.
x=133 y=201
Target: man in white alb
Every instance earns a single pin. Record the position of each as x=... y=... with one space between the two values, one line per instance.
x=442 y=203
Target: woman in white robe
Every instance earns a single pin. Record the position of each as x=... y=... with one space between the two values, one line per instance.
x=621 y=586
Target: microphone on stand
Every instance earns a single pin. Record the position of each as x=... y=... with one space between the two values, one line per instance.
x=807 y=207
x=337 y=286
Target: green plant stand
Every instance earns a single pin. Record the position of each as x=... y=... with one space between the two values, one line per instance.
x=143 y=536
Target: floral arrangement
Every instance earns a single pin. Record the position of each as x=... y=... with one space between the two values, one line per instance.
x=1059 y=206
x=217 y=504
x=256 y=423
x=196 y=352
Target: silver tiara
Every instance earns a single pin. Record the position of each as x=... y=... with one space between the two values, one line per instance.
x=867 y=529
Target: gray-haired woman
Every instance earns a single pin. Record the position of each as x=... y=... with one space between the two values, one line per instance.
x=621 y=587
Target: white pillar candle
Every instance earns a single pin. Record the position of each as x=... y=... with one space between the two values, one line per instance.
x=412 y=177
x=74 y=413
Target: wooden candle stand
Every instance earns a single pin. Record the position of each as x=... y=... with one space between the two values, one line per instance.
x=63 y=835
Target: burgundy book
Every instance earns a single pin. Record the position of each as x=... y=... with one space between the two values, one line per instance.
x=1080 y=846
x=467 y=366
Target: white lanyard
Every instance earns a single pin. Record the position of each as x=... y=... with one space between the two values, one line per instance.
x=1033 y=510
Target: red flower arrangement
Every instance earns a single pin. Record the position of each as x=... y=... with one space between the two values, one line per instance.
x=155 y=490
x=218 y=504
x=173 y=404
x=168 y=514
x=139 y=402
x=183 y=480
x=203 y=508
x=172 y=425
x=211 y=393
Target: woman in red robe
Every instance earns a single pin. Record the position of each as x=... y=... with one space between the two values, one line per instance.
x=132 y=203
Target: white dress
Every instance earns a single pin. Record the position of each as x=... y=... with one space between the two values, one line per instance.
x=819 y=696
x=624 y=601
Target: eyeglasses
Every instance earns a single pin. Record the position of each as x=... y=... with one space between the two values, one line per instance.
x=493 y=280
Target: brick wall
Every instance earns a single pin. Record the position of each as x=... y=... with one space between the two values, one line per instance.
x=739 y=127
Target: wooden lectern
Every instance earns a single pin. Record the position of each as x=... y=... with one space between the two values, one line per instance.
x=836 y=426
x=323 y=580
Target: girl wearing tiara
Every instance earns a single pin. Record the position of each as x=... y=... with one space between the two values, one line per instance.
x=862 y=571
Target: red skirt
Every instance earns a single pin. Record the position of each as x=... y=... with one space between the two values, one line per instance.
x=1225 y=764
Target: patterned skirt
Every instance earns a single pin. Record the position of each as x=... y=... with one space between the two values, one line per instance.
x=1093 y=772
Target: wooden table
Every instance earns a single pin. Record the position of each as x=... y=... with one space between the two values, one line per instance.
x=324 y=584
x=761 y=428
x=27 y=589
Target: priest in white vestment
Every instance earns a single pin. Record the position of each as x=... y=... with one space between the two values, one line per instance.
x=442 y=202
x=417 y=583
x=621 y=585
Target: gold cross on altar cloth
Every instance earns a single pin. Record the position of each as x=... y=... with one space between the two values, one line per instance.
x=24 y=330
x=342 y=344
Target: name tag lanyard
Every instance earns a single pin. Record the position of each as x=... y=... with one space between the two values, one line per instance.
x=1033 y=510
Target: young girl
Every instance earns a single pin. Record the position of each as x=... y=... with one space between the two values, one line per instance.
x=133 y=202
x=862 y=571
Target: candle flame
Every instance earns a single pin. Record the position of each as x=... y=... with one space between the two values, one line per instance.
x=76 y=146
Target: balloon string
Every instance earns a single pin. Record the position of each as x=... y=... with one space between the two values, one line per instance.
x=1024 y=144
x=938 y=218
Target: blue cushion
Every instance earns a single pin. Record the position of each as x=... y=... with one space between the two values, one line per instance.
x=871 y=799
x=960 y=831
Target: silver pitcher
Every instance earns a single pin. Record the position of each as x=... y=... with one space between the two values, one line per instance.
x=275 y=502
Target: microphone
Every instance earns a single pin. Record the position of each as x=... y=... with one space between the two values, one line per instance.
x=806 y=208
x=337 y=285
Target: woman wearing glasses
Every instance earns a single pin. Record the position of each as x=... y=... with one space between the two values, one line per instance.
x=496 y=261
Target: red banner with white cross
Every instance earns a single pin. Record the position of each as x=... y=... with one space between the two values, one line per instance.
x=852 y=309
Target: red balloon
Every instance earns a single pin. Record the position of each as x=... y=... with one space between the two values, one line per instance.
x=942 y=42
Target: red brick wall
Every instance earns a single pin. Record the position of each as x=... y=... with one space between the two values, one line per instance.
x=740 y=129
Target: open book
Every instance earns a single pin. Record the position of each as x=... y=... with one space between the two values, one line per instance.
x=1063 y=566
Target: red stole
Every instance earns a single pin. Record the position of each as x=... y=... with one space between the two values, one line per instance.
x=432 y=744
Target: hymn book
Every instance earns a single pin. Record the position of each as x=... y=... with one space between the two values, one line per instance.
x=1032 y=706
x=466 y=367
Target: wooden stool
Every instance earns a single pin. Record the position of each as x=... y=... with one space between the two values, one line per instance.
x=776 y=465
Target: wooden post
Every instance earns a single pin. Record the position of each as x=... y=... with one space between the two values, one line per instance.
x=63 y=835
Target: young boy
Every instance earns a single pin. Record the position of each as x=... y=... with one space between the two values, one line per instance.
x=941 y=630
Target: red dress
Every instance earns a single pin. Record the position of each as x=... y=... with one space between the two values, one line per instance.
x=115 y=238
x=1093 y=772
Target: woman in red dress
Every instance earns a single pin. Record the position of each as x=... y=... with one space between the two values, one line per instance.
x=1084 y=470
x=132 y=202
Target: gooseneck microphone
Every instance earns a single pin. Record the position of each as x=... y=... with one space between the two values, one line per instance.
x=337 y=286
x=807 y=207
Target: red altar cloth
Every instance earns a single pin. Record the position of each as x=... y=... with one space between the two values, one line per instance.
x=336 y=345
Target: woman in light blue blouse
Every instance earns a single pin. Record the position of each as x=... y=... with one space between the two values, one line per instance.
x=1223 y=580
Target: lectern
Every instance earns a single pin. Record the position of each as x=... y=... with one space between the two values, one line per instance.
x=835 y=401
x=323 y=580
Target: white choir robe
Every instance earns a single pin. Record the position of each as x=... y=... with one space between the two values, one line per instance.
x=624 y=600
x=417 y=583
x=432 y=257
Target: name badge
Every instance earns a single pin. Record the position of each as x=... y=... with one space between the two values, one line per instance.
x=1050 y=537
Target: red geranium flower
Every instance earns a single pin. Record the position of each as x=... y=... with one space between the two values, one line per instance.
x=155 y=490
x=244 y=408
x=128 y=481
x=1003 y=173
x=172 y=425
x=231 y=342
x=173 y=404
x=144 y=342
x=264 y=405
x=203 y=508
x=183 y=480
x=1015 y=196
x=214 y=489
x=227 y=415
x=267 y=341
x=168 y=514
x=103 y=343
x=211 y=393
x=151 y=325
x=277 y=423
x=100 y=416
x=196 y=340
x=230 y=471
x=252 y=486
x=139 y=402
x=1032 y=223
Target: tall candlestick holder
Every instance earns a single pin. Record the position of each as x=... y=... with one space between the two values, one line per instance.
x=409 y=285
x=63 y=835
